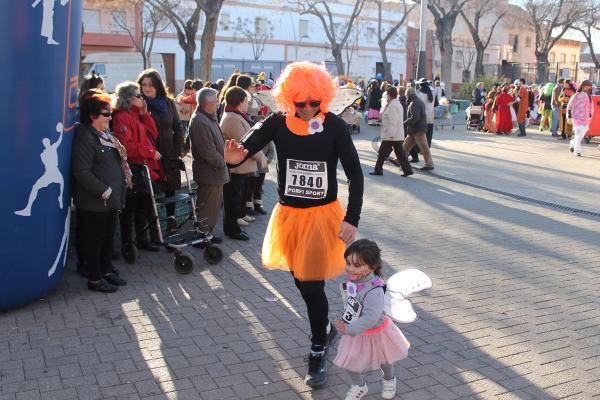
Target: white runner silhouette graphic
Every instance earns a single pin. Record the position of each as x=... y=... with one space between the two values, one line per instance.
x=51 y=175
x=48 y=18
x=63 y=246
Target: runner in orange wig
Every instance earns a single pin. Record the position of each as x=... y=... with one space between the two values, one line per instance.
x=308 y=229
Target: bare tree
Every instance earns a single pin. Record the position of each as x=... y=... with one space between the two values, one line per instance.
x=468 y=52
x=444 y=14
x=588 y=25
x=337 y=33
x=472 y=15
x=384 y=35
x=257 y=32
x=184 y=16
x=550 y=19
x=151 y=22
x=352 y=46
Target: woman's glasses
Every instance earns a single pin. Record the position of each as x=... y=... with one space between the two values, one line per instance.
x=106 y=114
x=139 y=95
x=303 y=104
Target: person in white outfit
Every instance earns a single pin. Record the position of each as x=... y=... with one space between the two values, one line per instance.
x=392 y=134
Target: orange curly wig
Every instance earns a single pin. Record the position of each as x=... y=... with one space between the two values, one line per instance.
x=302 y=81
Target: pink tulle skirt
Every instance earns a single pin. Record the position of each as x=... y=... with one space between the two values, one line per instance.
x=384 y=344
x=373 y=114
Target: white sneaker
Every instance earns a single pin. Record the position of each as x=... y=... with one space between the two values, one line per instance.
x=242 y=222
x=249 y=218
x=389 y=389
x=357 y=392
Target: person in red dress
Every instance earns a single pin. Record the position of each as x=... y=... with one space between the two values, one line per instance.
x=502 y=105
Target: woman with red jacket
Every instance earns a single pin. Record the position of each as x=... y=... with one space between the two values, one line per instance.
x=136 y=130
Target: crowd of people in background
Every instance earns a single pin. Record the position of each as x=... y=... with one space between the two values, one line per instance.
x=564 y=107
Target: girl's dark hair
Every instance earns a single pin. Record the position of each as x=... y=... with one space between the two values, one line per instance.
x=235 y=96
x=91 y=81
x=90 y=105
x=583 y=84
x=244 y=81
x=425 y=88
x=161 y=90
x=368 y=253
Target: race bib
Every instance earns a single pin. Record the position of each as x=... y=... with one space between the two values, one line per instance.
x=306 y=179
x=352 y=310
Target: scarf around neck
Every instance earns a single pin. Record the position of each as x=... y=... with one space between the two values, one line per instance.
x=157 y=105
x=109 y=140
x=238 y=112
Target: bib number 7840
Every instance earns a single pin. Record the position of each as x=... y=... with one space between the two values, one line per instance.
x=306 y=179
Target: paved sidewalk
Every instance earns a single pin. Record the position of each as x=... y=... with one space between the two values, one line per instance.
x=513 y=313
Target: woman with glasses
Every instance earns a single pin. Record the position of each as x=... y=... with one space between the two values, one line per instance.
x=135 y=128
x=100 y=178
x=308 y=230
x=170 y=135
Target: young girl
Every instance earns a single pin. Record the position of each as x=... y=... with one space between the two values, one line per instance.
x=370 y=339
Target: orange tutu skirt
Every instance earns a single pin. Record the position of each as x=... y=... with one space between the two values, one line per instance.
x=306 y=241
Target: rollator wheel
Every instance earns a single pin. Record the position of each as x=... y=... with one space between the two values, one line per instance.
x=213 y=255
x=183 y=262
x=129 y=252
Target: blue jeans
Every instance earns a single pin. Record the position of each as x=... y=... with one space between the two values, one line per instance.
x=555 y=119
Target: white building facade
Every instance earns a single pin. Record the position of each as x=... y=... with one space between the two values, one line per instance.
x=288 y=36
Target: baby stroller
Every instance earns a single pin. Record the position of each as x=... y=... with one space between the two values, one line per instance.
x=352 y=118
x=474 y=117
x=186 y=234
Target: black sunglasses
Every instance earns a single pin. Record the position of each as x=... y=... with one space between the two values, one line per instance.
x=303 y=104
x=139 y=95
x=106 y=114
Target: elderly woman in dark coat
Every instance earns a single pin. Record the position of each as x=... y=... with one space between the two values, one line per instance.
x=100 y=179
x=170 y=134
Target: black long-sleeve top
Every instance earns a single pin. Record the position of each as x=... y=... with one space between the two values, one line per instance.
x=306 y=165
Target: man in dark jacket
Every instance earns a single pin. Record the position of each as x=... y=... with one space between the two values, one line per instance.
x=210 y=170
x=416 y=128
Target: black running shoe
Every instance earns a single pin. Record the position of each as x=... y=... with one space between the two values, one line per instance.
x=317 y=369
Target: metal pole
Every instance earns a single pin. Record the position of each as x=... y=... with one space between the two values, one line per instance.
x=422 y=66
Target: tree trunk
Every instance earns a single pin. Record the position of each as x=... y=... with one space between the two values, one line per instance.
x=189 y=51
x=144 y=59
x=542 y=66
x=207 y=43
x=479 y=70
x=387 y=73
x=339 y=62
x=444 y=36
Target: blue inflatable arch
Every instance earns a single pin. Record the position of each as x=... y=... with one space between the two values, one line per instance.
x=40 y=67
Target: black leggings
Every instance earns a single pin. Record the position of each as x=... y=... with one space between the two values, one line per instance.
x=317 y=306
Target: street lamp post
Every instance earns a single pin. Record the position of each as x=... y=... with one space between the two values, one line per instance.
x=422 y=66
